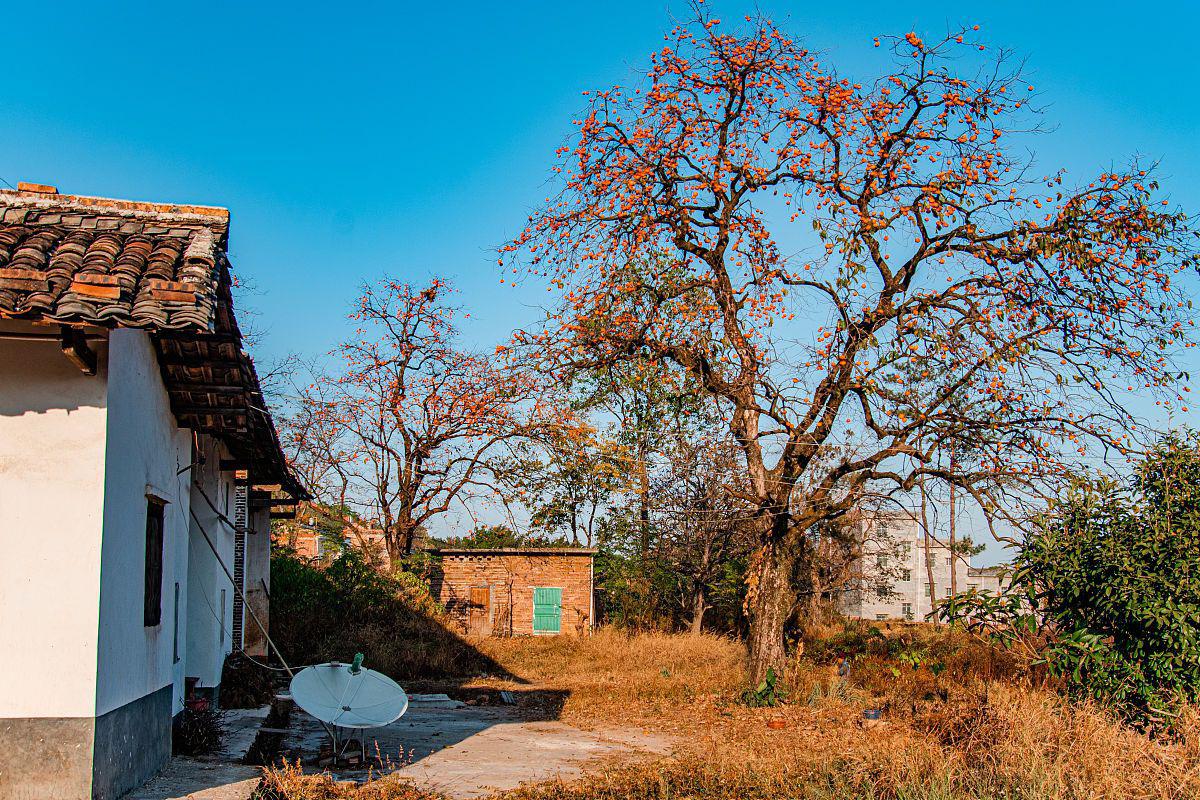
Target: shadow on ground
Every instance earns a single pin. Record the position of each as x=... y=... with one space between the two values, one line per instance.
x=464 y=742
x=469 y=751
x=434 y=723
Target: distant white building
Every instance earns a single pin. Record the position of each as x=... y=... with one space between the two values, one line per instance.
x=989 y=579
x=891 y=580
x=137 y=465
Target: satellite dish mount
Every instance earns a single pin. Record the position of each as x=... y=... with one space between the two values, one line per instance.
x=348 y=696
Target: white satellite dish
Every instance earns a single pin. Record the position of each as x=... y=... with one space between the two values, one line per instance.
x=349 y=696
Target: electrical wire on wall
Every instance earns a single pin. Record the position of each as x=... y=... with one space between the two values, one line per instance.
x=228 y=574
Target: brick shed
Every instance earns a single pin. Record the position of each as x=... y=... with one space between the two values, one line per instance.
x=517 y=592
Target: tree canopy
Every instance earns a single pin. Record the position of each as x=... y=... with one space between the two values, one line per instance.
x=954 y=298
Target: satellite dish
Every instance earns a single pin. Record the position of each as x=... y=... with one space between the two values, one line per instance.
x=348 y=696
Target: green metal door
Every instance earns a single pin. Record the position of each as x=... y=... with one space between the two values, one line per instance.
x=547 y=610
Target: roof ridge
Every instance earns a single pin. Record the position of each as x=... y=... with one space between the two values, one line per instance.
x=181 y=212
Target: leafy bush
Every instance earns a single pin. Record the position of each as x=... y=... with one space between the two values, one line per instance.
x=1110 y=584
x=856 y=638
x=768 y=694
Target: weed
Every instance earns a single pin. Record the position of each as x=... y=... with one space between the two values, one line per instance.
x=768 y=694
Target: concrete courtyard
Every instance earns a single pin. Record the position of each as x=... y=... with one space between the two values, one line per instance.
x=461 y=750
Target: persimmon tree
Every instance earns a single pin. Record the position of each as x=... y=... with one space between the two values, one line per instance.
x=410 y=423
x=865 y=273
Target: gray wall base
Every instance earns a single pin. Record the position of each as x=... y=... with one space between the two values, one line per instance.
x=46 y=758
x=86 y=758
x=132 y=743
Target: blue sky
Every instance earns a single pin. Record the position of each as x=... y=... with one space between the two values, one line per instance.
x=354 y=140
x=412 y=138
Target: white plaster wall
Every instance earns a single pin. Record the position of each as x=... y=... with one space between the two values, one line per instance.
x=146 y=451
x=258 y=579
x=207 y=645
x=52 y=450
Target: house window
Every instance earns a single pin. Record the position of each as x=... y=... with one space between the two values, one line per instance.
x=972 y=587
x=906 y=574
x=175 y=634
x=906 y=609
x=948 y=559
x=222 y=618
x=881 y=561
x=152 y=609
x=929 y=590
x=880 y=617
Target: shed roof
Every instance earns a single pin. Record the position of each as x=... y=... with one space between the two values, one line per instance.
x=87 y=262
x=514 y=551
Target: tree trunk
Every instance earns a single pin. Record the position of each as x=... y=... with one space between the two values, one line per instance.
x=395 y=548
x=953 y=545
x=813 y=608
x=407 y=537
x=699 y=606
x=644 y=492
x=928 y=550
x=771 y=605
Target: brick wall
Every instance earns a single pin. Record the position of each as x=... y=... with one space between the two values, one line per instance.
x=509 y=580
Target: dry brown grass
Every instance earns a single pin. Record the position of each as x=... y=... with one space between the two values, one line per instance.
x=965 y=723
x=288 y=782
x=613 y=675
x=1021 y=744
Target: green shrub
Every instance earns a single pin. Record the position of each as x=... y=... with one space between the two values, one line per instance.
x=1111 y=581
x=768 y=694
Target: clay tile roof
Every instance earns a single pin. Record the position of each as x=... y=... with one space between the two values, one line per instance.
x=92 y=261
x=112 y=263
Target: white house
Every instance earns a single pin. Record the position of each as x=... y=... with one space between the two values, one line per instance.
x=891 y=580
x=137 y=464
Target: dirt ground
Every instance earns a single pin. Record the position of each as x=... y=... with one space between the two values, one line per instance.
x=460 y=750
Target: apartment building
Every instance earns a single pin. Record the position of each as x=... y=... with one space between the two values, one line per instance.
x=892 y=580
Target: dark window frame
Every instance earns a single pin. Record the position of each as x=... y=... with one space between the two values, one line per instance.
x=155 y=544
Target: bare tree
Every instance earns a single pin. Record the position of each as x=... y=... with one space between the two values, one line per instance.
x=411 y=424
